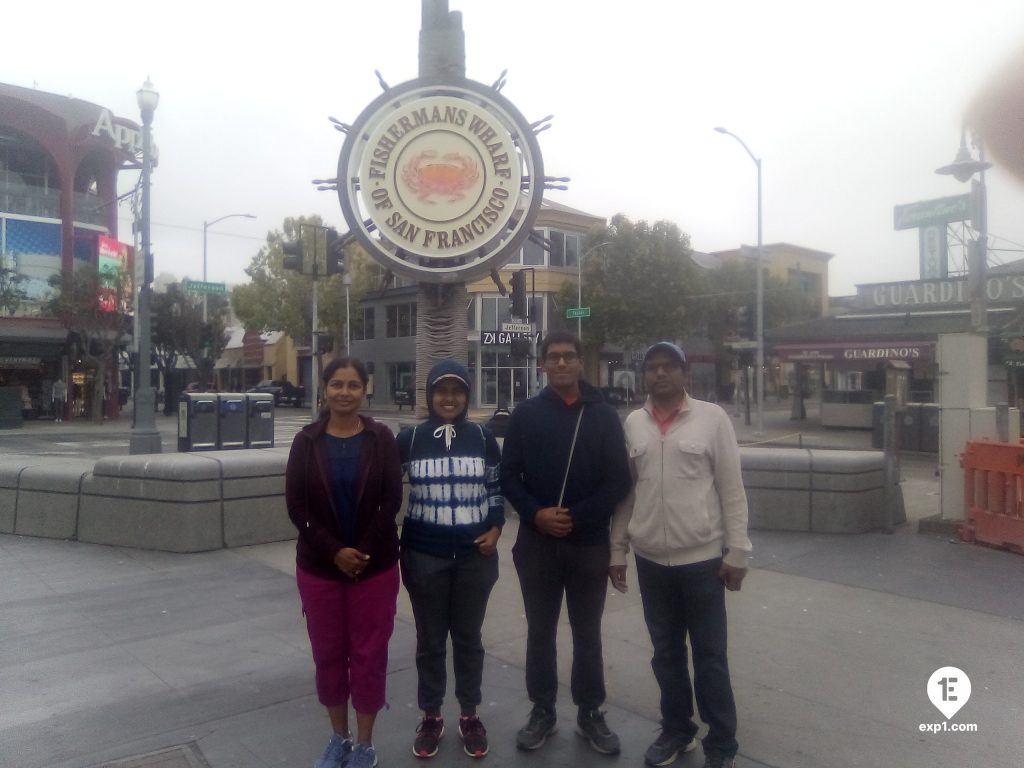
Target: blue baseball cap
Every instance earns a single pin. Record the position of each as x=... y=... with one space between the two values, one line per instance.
x=666 y=346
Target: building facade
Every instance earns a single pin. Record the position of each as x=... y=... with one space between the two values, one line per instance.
x=386 y=340
x=59 y=161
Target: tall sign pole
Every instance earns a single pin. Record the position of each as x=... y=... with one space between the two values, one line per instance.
x=440 y=309
x=440 y=179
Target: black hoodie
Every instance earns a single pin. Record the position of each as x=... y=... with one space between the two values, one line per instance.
x=536 y=453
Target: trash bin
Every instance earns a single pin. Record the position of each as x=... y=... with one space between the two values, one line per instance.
x=910 y=434
x=930 y=427
x=230 y=420
x=259 y=420
x=197 y=422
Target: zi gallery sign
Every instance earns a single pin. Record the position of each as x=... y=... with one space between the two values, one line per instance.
x=441 y=180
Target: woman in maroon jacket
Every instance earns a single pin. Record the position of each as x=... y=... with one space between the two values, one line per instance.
x=343 y=488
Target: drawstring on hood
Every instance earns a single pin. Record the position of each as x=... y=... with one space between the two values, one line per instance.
x=448 y=432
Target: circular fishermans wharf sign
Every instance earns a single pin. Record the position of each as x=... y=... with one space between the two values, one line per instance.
x=441 y=180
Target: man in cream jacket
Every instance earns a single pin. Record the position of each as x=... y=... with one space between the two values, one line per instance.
x=686 y=521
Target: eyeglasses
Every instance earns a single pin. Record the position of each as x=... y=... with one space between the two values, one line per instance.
x=556 y=357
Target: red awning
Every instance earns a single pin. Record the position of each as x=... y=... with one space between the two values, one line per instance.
x=854 y=352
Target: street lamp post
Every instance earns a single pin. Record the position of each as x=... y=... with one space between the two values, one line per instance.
x=579 y=286
x=963 y=168
x=145 y=438
x=206 y=226
x=759 y=377
x=346 y=280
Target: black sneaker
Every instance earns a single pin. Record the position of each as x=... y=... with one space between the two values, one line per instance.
x=590 y=725
x=718 y=761
x=428 y=736
x=474 y=736
x=667 y=747
x=536 y=731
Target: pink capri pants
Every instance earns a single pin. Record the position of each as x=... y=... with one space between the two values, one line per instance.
x=349 y=627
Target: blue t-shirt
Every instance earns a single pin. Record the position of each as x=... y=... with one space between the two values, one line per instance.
x=343 y=454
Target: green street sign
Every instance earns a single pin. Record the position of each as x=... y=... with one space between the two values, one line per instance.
x=198 y=286
x=940 y=211
x=572 y=312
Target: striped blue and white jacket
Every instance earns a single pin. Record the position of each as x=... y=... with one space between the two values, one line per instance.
x=454 y=486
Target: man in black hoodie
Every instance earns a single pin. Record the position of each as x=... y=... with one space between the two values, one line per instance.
x=564 y=468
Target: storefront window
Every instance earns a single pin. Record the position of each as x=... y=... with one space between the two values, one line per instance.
x=494 y=310
x=401 y=320
x=533 y=254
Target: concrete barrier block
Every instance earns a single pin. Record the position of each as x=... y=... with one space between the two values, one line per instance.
x=48 y=496
x=773 y=509
x=843 y=512
x=778 y=480
x=256 y=521
x=173 y=467
x=8 y=503
x=164 y=524
x=775 y=459
x=47 y=515
x=252 y=474
x=11 y=467
x=255 y=462
x=185 y=477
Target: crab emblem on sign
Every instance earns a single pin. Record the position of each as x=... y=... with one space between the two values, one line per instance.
x=448 y=177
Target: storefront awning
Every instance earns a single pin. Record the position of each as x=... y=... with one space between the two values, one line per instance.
x=856 y=352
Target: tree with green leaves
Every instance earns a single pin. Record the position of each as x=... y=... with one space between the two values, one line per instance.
x=179 y=332
x=277 y=299
x=734 y=285
x=12 y=294
x=95 y=308
x=635 y=279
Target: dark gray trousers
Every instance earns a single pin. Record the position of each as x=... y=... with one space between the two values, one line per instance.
x=548 y=568
x=449 y=597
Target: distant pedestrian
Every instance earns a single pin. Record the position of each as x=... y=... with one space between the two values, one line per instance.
x=449 y=552
x=343 y=489
x=686 y=522
x=59 y=393
x=564 y=468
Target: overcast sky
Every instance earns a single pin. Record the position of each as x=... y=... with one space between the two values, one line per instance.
x=852 y=106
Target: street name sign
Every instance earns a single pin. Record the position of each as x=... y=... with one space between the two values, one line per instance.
x=199 y=286
x=572 y=312
x=939 y=211
x=517 y=328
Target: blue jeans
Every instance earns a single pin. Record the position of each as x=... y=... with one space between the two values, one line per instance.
x=690 y=600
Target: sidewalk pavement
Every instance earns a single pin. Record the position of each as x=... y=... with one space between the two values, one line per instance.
x=120 y=657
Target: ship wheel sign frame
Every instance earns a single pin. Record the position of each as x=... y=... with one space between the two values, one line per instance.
x=441 y=180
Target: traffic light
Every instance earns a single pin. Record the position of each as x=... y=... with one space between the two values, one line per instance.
x=293 y=255
x=520 y=347
x=519 y=294
x=745 y=322
x=335 y=253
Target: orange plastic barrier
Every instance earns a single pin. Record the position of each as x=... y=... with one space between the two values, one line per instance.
x=993 y=494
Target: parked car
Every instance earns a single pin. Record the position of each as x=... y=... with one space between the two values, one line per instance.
x=282 y=390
